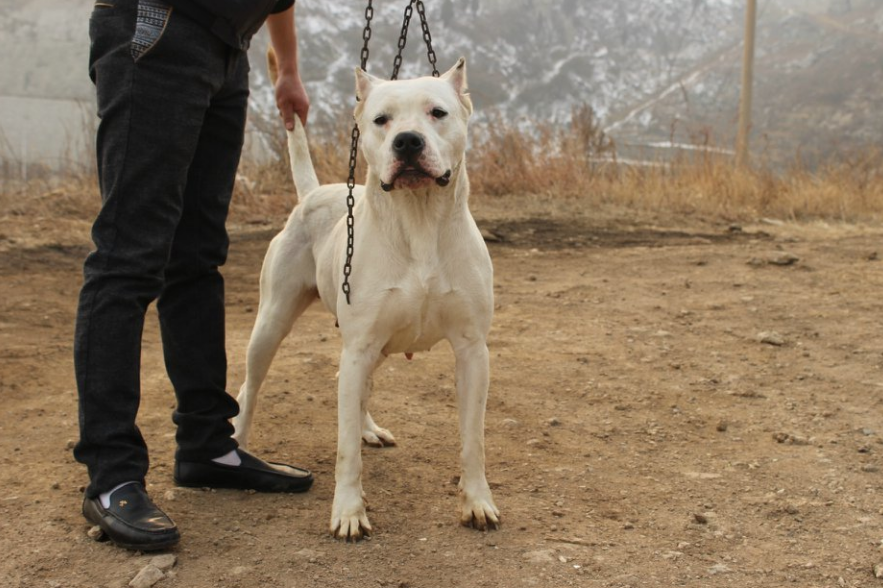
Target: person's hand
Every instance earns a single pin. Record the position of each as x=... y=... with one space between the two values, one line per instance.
x=291 y=99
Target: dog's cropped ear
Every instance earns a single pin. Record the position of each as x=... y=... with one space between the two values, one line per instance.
x=456 y=76
x=364 y=83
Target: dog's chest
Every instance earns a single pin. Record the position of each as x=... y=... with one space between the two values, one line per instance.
x=416 y=311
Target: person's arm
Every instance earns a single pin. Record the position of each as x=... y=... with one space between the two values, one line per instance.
x=291 y=96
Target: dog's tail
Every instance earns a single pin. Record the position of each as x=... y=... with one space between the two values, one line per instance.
x=302 y=171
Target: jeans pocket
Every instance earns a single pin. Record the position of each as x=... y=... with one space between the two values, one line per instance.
x=150 y=24
x=105 y=22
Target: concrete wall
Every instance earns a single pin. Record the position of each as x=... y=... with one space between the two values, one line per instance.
x=40 y=134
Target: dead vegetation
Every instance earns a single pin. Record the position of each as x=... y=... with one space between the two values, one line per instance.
x=575 y=162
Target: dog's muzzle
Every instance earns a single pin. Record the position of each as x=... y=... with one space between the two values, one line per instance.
x=408 y=147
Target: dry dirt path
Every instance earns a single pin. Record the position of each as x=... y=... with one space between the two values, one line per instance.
x=638 y=434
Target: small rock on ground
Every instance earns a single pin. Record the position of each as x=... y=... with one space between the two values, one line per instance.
x=771 y=338
x=96 y=533
x=147 y=577
x=789 y=439
x=783 y=258
x=164 y=562
x=719 y=569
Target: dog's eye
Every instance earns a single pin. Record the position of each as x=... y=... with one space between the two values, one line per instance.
x=381 y=120
x=439 y=112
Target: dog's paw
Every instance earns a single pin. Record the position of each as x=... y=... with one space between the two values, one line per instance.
x=479 y=512
x=350 y=522
x=378 y=437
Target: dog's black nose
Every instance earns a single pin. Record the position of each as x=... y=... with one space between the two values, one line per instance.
x=407 y=145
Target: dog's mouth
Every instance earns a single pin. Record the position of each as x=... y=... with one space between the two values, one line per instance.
x=414 y=176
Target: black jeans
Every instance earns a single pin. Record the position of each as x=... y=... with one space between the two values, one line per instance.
x=172 y=101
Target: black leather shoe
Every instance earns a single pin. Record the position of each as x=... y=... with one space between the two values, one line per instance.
x=132 y=520
x=251 y=474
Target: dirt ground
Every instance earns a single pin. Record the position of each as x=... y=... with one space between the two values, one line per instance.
x=639 y=431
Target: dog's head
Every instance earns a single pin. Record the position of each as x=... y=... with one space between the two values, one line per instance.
x=413 y=131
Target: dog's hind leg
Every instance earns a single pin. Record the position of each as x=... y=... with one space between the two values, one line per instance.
x=372 y=434
x=287 y=289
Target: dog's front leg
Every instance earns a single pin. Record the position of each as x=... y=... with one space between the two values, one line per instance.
x=348 y=517
x=477 y=508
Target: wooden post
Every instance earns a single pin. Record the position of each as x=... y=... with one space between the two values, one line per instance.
x=742 y=157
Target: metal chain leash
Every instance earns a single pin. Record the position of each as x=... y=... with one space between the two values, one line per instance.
x=350 y=219
x=351 y=179
x=366 y=34
x=354 y=147
x=427 y=38
x=403 y=38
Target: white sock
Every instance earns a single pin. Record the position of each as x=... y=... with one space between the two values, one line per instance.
x=230 y=459
x=104 y=497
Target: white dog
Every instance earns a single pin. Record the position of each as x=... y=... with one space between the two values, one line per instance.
x=420 y=273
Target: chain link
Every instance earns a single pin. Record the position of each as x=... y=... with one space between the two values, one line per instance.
x=366 y=34
x=351 y=178
x=403 y=39
x=427 y=38
x=350 y=219
x=354 y=147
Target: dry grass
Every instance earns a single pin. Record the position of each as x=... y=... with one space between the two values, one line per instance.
x=846 y=189
x=71 y=195
x=579 y=162
x=574 y=162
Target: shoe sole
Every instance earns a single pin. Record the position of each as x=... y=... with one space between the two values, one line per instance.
x=289 y=490
x=151 y=547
